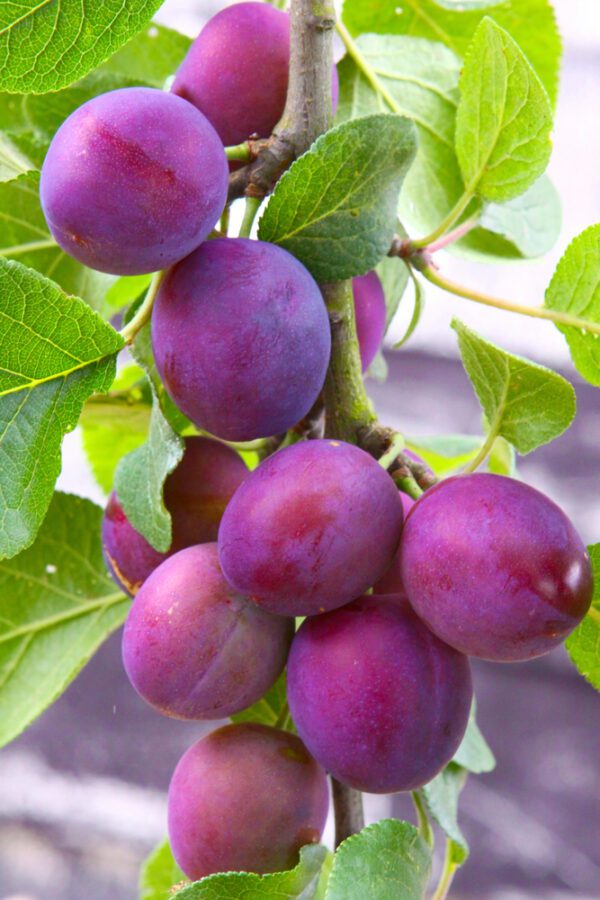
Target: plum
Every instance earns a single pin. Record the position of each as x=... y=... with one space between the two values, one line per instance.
x=370 y=315
x=133 y=181
x=247 y=797
x=195 y=494
x=236 y=71
x=379 y=701
x=312 y=528
x=241 y=338
x=494 y=567
x=193 y=648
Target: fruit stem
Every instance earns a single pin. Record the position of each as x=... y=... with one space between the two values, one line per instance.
x=535 y=312
x=425 y=829
x=224 y=221
x=129 y=331
x=455 y=235
x=239 y=153
x=348 y=809
x=397 y=444
x=445 y=882
x=252 y=207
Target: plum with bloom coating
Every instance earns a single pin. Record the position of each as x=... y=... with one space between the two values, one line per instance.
x=195 y=493
x=378 y=700
x=133 y=181
x=245 y=798
x=312 y=528
x=241 y=338
x=195 y=649
x=494 y=567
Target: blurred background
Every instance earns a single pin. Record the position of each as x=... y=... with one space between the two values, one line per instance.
x=82 y=792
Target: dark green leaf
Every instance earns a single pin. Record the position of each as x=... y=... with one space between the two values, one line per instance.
x=54 y=352
x=58 y=605
x=335 y=208
x=159 y=874
x=584 y=644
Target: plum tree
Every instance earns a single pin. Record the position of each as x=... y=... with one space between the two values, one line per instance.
x=247 y=797
x=120 y=195
x=370 y=313
x=195 y=649
x=294 y=535
x=494 y=567
x=195 y=494
x=378 y=700
x=236 y=71
x=232 y=324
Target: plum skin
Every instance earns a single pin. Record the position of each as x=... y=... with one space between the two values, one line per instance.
x=311 y=528
x=236 y=71
x=245 y=798
x=494 y=567
x=379 y=701
x=195 y=649
x=120 y=194
x=195 y=493
x=241 y=338
x=370 y=314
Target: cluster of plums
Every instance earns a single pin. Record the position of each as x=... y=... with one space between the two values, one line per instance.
x=378 y=684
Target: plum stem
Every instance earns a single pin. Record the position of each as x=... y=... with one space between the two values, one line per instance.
x=239 y=153
x=445 y=882
x=348 y=809
x=252 y=207
x=129 y=331
x=424 y=826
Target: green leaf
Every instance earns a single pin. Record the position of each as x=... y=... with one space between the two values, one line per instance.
x=47 y=45
x=532 y=24
x=54 y=352
x=12 y=161
x=575 y=289
x=388 y=859
x=474 y=753
x=24 y=235
x=523 y=402
x=270 y=709
x=335 y=208
x=305 y=881
x=393 y=275
x=440 y=798
x=150 y=57
x=125 y=290
x=58 y=606
x=159 y=874
x=418 y=305
x=501 y=460
x=444 y=453
x=142 y=353
x=504 y=117
x=530 y=223
x=584 y=644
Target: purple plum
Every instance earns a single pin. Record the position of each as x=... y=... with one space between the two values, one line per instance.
x=370 y=314
x=378 y=700
x=241 y=338
x=311 y=529
x=245 y=798
x=193 y=648
x=133 y=181
x=494 y=567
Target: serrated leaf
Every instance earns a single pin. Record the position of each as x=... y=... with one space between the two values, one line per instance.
x=270 y=709
x=388 y=859
x=304 y=882
x=24 y=235
x=504 y=117
x=45 y=45
x=440 y=798
x=583 y=645
x=525 y=403
x=159 y=874
x=57 y=606
x=335 y=208
x=474 y=753
x=54 y=352
x=13 y=162
x=532 y=23
x=575 y=289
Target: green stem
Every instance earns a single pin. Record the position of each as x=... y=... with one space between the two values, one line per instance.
x=425 y=828
x=535 y=312
x=252 y=207
x=398 y=444
x=239 y=153
x=445 y=226
x=367 y=70
x=409 y=486
x=129 y=331
x=482 y=453
x=445 y=882
x=224 y=221
x=456 y=234
x=16 y=249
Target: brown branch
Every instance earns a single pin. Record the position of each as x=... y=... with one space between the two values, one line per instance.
x=348 y=808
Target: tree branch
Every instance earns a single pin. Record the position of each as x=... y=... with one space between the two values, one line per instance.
x=348 y=808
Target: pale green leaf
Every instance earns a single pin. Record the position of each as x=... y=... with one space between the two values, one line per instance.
x=150 y=57
x=13 y=162
x=47 y=44
x=393 y=275
x=440 y=798
x=270 y=709
x=57 y=606
x=575 y=289
x=530 y=223
x=160 y=874
x=525 y=403
x=335 y=208
x=474 y=753
x=504 y=117
x=54 y=352
x=385 y=860
x=583 y=645
x=444 y=453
